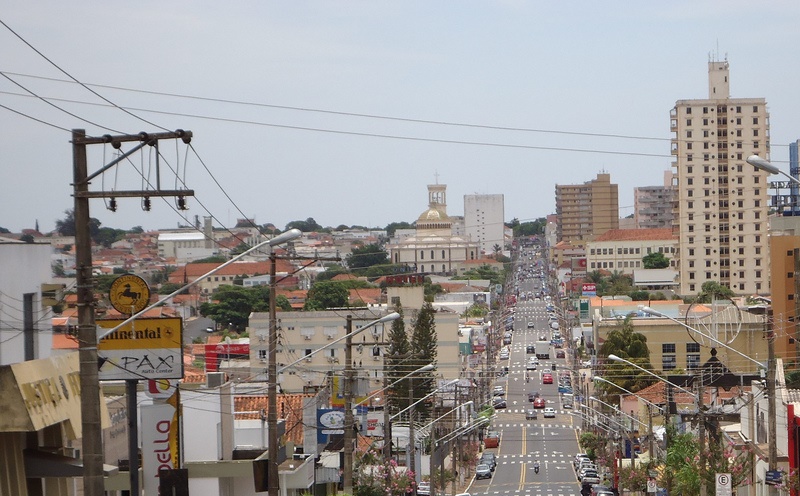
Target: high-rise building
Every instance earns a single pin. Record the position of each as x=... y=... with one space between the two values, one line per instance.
x=653 y=205
x=483 y=220
x=722 y=205
x=586 y=210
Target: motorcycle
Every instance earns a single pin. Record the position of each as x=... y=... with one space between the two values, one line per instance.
x=536 y=467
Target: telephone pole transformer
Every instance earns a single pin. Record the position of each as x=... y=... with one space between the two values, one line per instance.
x=92 y=434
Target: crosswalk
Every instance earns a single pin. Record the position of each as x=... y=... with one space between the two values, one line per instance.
x=536 y=424
x=527 y=492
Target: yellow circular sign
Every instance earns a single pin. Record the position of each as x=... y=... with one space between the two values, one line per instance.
x=129 y=294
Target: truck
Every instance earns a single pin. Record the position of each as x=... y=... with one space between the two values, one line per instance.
x=543 y=355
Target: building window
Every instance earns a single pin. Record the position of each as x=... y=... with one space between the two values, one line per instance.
x=668 y=362
x=443 y=257
x=693 y=361
x=422 y=255
x=432 y=255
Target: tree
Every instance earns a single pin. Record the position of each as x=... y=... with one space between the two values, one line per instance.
x=136 y=230
x=497 y=250
x=367 y=256
x=66 y=226
x=234 y=304
x=326 y=294
x=396 y=364
x=655 y=260
x=308 y=225
x=330 y=272
x=712 y=290
x=530 y=228
x=394 y=226
x=107 y=236
x=26 y=238
x=424 y=349
x=169 y=288
x=485 y=271
x=624 y=342
x=3 y=230
x=213 y=259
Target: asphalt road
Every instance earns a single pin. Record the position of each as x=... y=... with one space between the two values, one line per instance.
x=554 y=441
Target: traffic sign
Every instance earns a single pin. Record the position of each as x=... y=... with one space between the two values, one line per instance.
x=723 y=484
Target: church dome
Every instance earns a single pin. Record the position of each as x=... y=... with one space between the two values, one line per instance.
x=434 y=214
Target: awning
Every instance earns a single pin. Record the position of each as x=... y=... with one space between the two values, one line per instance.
x=40 y=464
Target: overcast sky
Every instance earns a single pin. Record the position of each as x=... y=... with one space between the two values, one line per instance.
x=316 y=109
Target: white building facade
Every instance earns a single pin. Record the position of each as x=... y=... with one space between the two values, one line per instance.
x=484 y=221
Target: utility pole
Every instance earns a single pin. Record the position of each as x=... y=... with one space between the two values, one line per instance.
x=349 y=421
x=411 y=447
x=771 y=413
x=92 y=434
x=650 y=434
x=273 y=485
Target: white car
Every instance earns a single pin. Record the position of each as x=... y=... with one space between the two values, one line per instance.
x=549 y=412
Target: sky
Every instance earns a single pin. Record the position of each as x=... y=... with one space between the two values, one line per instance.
x=346 y=111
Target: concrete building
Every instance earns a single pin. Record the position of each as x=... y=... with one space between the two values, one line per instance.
x=433 y=248
x=653 y=205
x=622 y=250
x=784 y=247
x=301 y=333
x=721 y=212
x=483 y=218
x=586 y=210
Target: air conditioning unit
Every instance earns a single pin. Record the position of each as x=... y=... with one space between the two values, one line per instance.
x=308 y=359
x=307 y=337
x=376 y=357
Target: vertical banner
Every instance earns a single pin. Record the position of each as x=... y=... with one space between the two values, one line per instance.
x=160 y=442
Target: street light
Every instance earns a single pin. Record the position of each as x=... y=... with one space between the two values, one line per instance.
x=424 y=368
x=618 y=359
x=767 y=166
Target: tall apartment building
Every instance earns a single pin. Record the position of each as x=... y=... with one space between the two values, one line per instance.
x=586 y=210
x=721 y=212
x=483 y=221
x=653 y=205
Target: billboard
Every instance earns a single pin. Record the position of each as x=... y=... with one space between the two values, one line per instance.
x=142 y=349
x=589 y=289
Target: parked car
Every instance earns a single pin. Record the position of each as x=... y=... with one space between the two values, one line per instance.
x=579 y=457
x=488 y=458
x=482 y=471
x=491 y=440
x=424 y=489
x=549 y=413
x=499 y=403
x=590 y=477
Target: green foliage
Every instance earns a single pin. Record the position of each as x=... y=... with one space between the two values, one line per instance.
x=367 y=256
x=394 y=226
x=331 y=271
x=431 y=290
x=26 y=238
x=136 y=230
x=712 y=290
x=3 y=230
x=528 y=228
x=655 y=260
x=107 y=236
x=103 y=282
x=308 y=225
x=485 y=271
x=169 y=287
x=592 y=444
x=476 y=310
x=396 y=363
x=639 y=295
x=373 y=476
x=624 y=342
x=282 y=302
x=326 y=294
x=213 y=259
x=58 y=269
x=234 y=305
x=240 y=248
x=424 y=349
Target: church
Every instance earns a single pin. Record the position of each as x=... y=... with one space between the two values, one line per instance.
x=433 y=248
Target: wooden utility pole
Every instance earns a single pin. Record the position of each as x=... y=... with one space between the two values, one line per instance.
x=92 y=434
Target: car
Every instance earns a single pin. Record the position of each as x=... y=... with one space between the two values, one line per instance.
x=533 y=395
x=499 y=403
x=531 y=366
x=424 y=489
x=209 y=329
x=547 y=378
x=590 y=477
x=549 y=412
x=579 y=457
x=492 y=439
x=564 y=389
x=587 y=467
x=530 y=414
x=482 y=471
x=539 y=403
x=530 y=349
x=531 y=325
x=560 y=353
x=542 y=337
x=488 y=458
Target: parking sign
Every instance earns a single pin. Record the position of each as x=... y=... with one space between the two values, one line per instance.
x=723 y=484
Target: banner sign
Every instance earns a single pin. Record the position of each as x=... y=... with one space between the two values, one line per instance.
x=143 y=349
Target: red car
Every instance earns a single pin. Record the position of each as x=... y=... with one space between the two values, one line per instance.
x=547 y=378
x=538 y=403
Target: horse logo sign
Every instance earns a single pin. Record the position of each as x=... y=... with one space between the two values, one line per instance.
x=129 y=294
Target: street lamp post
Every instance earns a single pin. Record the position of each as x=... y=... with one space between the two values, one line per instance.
x=767 y=166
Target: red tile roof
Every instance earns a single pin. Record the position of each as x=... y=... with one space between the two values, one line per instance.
x=290 y=407
x=64 y=342
x=367 y=295
x=664 y=234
